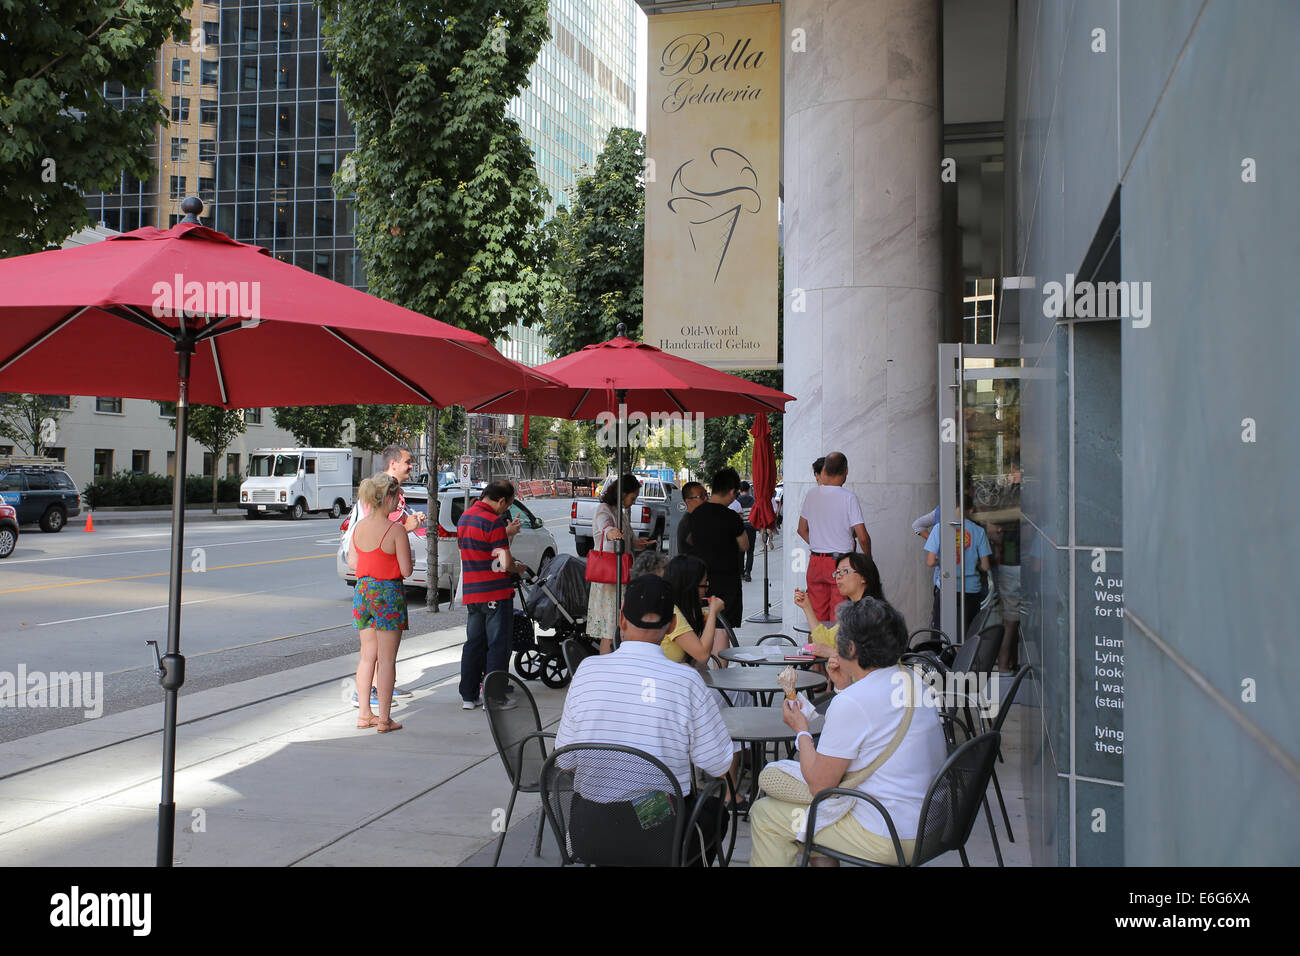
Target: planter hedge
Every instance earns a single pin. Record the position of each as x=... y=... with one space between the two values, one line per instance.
x=126 y=489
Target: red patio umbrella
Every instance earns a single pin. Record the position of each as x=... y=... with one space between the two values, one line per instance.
x=621 y=376
x=761 y=515
x=192 y=315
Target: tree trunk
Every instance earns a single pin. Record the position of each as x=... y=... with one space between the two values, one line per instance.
x=216 y=480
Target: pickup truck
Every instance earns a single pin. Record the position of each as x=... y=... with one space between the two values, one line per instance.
x=654 y=514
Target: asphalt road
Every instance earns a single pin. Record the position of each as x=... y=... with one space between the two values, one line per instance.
x=258 y=597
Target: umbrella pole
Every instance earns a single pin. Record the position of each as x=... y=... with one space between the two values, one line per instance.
x=767 y=617
x=171 y=668
x=621 y=544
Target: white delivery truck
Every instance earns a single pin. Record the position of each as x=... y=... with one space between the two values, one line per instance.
x=297 y=480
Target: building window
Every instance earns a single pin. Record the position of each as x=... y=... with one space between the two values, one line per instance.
x=208 y=150
x=6 y=449
x=232 y=466
x=103 y=463
x=139 y=462
x=180 y=109
x=252 y=416
x=248 y=76
x=166 y=409
x=173 y=219
x=211 y=33
x=180 y=149
x=207 y=186
x=59 y=454
x=208 y=70
x=177 y=187
x=207 y=464
x=208 y=111
x=171 y=464
x=181 y=71
x=57 y=401
x=111 y=405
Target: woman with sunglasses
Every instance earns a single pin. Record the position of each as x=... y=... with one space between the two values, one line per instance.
x=694 y=632
x=856 y=576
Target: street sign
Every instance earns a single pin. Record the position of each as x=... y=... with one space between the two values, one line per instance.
x=466 y=469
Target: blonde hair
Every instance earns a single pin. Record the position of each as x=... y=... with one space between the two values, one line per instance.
x=376 y=488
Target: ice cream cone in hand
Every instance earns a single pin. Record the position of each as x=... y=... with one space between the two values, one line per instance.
x=787 y=679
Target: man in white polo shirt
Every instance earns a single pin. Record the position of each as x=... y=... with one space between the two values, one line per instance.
x=637 y=697
x=831 y=522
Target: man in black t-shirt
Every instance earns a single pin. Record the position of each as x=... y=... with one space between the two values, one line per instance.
x=718 y=537
x=694 y=494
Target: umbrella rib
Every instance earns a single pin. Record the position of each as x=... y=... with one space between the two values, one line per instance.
x=136 y=317
x=494 y=398
x=574 y=413
x=43 y=336
x=221 y=379
x=370 y=358
x=680 y=407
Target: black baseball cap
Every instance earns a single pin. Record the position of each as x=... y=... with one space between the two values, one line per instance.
x=648 y=596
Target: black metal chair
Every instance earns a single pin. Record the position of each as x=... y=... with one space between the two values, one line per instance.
x=521 y=744
x=611 y=805
x=1003 y=708
x=574 y=654
x=732 y=640
x=947 y=813
x=777 y=639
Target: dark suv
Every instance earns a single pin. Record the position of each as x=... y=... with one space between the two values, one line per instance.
x=40 y=493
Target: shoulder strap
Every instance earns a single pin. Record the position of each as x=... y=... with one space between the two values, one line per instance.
x=857 y=776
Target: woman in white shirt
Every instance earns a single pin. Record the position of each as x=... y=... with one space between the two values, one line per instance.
x=608 y=526
x=876 y=720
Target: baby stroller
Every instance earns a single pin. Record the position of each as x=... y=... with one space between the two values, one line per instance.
x=555 y=600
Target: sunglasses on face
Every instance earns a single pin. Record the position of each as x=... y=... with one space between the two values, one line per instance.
x=841 y=572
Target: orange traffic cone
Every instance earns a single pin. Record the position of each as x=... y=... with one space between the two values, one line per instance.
x=90 y=521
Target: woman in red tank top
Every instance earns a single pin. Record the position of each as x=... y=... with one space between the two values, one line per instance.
x=381 y=554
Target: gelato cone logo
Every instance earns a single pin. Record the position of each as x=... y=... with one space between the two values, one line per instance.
x=711 y=196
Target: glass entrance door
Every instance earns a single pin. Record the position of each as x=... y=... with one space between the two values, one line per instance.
x=977 y=545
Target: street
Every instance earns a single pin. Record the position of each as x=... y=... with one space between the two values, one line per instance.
x=259 y=597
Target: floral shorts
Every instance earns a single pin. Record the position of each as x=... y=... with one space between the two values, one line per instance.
x=379 y=604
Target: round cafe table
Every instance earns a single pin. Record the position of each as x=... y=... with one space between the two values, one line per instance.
x=744 y=655
x=759 y=680
x=755 y=728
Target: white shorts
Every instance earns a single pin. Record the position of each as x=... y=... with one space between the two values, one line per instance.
x=1007 y=579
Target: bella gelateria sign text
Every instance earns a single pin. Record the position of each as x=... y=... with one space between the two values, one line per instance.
x=713 y=165
x=701 y=70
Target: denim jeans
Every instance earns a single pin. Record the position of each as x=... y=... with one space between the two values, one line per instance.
x=487 y=648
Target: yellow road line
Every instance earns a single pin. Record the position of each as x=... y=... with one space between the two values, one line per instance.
x=159 y=574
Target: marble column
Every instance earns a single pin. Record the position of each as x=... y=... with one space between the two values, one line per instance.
x=862 y=143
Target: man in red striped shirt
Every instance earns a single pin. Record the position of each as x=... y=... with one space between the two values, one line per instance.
x=483 y=534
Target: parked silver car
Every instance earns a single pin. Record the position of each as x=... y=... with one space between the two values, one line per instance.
x=534 y=545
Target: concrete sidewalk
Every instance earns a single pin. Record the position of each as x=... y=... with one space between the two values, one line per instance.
x=272 y=772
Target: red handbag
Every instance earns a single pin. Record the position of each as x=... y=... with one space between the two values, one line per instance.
x=602 y=565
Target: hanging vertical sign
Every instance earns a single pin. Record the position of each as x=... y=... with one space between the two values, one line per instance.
x=713 y=162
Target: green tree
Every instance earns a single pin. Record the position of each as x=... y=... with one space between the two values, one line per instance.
x=540 y=431
x=62 y=138
x=598 y=246
x=452 y=422
x=448 y=202
x=215 y=429
x=378 y=426
x=316 y=426
x=568 y=440
x=23 y=420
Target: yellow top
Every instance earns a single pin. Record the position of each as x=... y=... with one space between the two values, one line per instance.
x=672 y=650
x=824 y=635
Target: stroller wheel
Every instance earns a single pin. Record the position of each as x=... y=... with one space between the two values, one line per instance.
x=555 y=673
x=528 y=664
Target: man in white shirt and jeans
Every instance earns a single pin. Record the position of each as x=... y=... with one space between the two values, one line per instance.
x=636 y=697
x=831 y=522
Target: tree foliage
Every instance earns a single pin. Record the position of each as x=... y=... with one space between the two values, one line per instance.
x=316 y=426
x=448 y=202
x=62 y=138
x=598 y=246
x=375 y=427
x=23 y=417
x=213 y=428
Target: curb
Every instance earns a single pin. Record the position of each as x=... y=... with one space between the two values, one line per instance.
x=156 y=517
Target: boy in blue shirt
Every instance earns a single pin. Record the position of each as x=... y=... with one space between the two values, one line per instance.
x=975 y=560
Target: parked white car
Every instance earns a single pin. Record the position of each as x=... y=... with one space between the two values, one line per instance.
x=534 y=545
